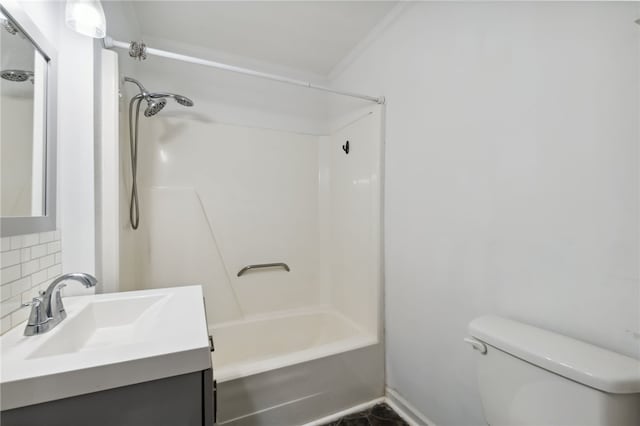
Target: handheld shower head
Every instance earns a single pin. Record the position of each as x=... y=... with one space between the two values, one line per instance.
x=154 y=106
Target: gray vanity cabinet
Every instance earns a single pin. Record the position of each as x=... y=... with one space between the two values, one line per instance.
x=185 y=400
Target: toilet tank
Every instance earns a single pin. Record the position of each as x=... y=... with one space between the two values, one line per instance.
x=531 y=376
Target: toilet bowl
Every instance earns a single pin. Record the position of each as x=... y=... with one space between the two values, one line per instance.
x=534 y=377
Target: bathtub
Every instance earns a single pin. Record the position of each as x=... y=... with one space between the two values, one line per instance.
x=290 y=368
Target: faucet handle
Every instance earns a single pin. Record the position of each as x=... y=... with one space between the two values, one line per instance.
x=37 y=315
x=35 y=302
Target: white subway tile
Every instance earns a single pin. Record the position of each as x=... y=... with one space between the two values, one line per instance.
x=46 y=237
x=20 y=286
x=20 y=316
x=16 y=242
x=5 y=244
x=10 y=305
x=43 y=287
x=30 y=267
x=9 y=274
x=54 y=247
x=39 y=250
x=9 y=258
x=5 y=324
x=54 y=271
x=28 y=295
x=25 y=254
x=28 y=263
x=30 y=240
x=5 y=292
x=39 y=277
x=47 y=261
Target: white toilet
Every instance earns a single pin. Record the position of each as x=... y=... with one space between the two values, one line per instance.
x=530 y=376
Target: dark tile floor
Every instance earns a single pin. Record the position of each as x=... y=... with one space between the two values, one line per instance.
x=378 y=415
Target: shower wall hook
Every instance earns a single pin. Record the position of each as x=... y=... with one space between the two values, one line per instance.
x=345 y=147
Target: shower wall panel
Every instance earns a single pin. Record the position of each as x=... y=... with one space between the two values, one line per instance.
x=215 y=198
x=350 y=192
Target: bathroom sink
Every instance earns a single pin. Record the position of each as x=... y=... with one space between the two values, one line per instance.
x=106 y=341
x=106 y=323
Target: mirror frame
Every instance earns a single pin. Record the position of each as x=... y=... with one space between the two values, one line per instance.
x=31 y=224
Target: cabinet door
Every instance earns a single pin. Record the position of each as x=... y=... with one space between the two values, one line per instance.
x=180 y=400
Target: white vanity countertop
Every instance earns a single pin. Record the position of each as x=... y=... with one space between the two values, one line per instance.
x=106 y=341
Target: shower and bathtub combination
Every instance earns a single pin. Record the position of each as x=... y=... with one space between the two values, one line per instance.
x=280 y=226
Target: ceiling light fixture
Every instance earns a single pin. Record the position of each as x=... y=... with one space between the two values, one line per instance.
x=86 y=17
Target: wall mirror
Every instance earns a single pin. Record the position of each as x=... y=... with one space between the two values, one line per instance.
x=27 y=125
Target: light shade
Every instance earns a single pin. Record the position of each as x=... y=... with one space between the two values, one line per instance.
x=86 y=17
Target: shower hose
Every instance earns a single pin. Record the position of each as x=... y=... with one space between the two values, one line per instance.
x=134 y=209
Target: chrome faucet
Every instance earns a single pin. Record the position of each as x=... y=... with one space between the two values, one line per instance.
x=47 y=311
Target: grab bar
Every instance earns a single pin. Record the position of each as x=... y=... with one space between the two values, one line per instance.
x=264 y=265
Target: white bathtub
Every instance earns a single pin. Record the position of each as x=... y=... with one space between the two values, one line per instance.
x=290 y=368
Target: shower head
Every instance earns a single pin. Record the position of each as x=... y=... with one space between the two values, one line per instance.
x=156 y=101
x=8 y=26
x=154 y=106
x=182 y=100
x=16 y=75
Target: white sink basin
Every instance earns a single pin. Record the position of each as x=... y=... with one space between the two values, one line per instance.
x=106 y=341
x=104 y=323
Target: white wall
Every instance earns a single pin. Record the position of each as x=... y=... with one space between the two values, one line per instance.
x=76 y=161
x=230 y=98
x=76 y=201
x=117 y=264
x=512 y=182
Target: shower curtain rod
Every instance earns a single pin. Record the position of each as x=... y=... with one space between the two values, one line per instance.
x=140 y=50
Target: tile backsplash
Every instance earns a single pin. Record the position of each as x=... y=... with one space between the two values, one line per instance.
x=28 y=264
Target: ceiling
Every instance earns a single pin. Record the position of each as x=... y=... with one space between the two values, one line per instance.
x=310 y=36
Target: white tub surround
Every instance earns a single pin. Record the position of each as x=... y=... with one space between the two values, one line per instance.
x=107 y=341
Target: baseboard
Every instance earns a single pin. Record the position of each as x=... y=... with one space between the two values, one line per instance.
x=405 y=410
x=400 y=405
x=351 y=410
